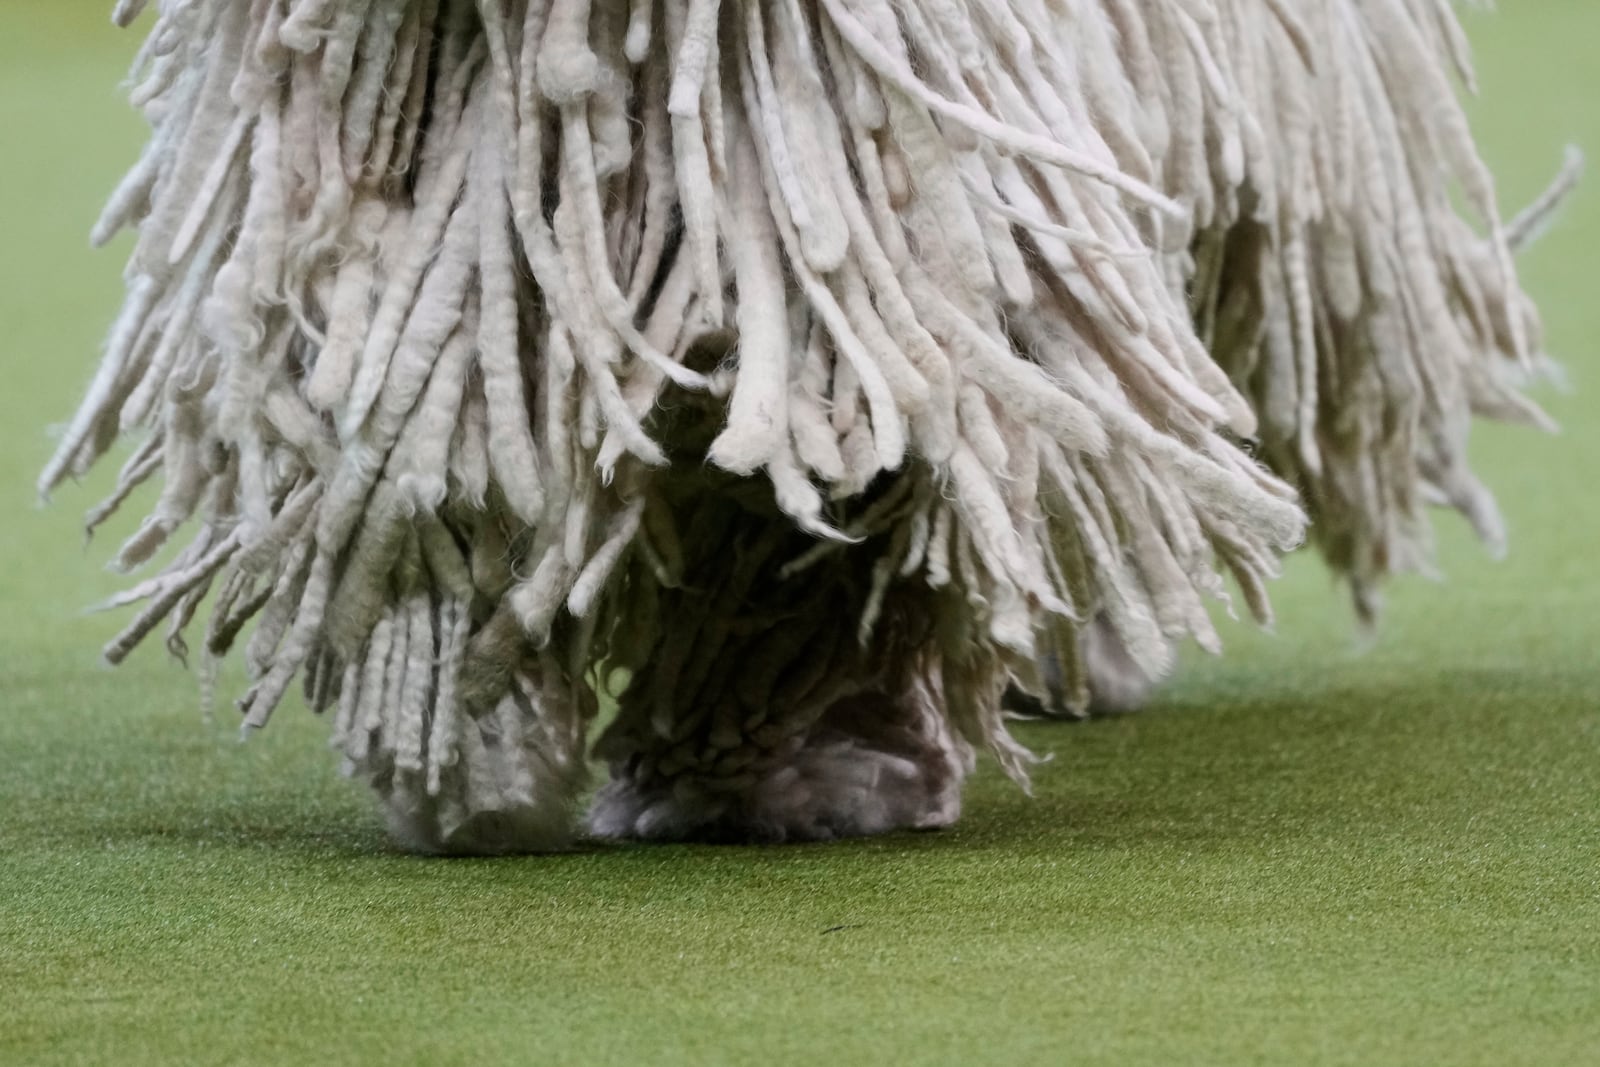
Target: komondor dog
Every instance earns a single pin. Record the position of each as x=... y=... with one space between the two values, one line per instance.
x=794 y=375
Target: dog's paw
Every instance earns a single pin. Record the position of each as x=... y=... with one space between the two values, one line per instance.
x=854 y=774
x=1116 y=684
x=508 y=789
x=419 y=824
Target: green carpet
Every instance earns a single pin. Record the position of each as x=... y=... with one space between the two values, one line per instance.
x=1302 y=854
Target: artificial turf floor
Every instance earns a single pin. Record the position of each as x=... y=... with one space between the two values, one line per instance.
x=1301 y=854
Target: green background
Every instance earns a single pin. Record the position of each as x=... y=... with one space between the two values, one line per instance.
x=1304 y=853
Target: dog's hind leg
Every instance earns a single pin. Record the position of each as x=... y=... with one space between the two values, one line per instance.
x=758 y=706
